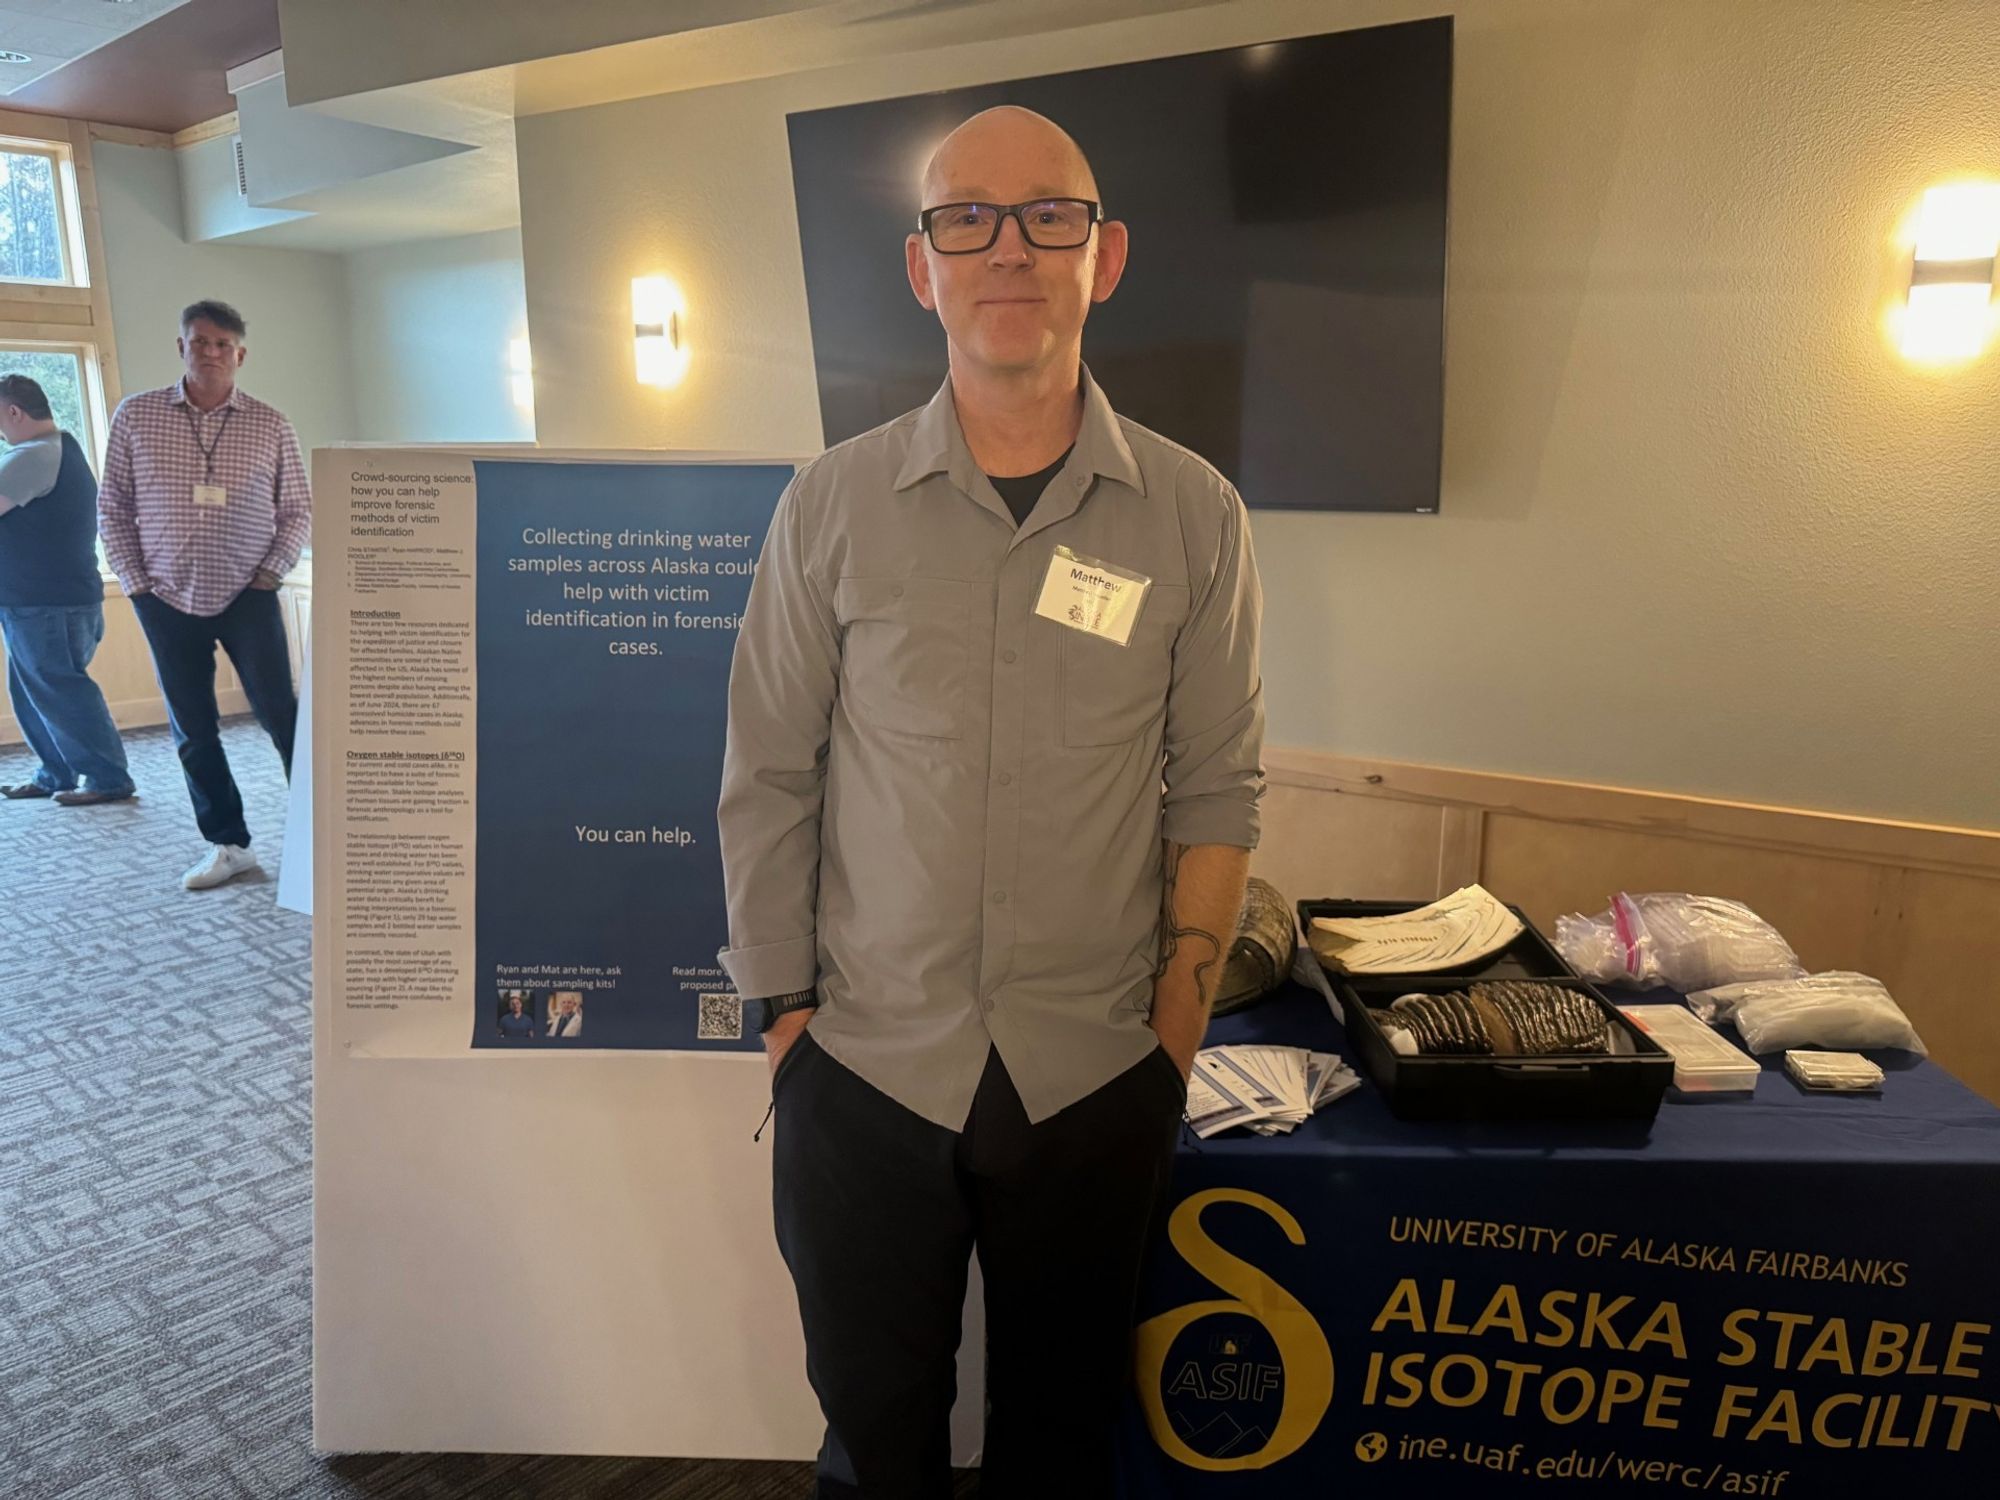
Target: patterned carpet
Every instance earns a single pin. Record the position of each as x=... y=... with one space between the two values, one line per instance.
x=155 y=1183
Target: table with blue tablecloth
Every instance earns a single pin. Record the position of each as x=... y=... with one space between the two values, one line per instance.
x=1768 y=1293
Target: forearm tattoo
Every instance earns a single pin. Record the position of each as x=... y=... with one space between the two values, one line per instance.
x=1173 y=933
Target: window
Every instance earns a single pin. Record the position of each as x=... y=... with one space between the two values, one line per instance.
x=41 y=234
x=71 y=378
x=68 y=373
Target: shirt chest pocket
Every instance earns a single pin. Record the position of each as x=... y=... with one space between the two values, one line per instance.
x=257 y=478
x=1112 y=694
x=903 y=653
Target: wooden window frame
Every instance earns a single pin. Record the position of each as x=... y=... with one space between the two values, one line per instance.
x=96 y=410
x=76 y=257
x=74 y=316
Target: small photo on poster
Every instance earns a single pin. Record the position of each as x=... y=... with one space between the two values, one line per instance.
x=514 y=1016
x=562 y=1014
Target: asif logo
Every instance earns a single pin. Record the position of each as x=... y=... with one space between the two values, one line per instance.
x=1250 y=1386
x=1233 y=1370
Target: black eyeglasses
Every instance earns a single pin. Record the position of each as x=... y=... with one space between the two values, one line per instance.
x=1046 y=223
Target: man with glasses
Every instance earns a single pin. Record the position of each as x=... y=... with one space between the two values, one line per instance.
x=989 y=794
x=52 y=606
x=204 y=509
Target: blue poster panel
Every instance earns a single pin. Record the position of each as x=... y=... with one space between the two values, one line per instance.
x=609 y=598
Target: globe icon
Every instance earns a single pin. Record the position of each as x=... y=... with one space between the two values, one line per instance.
x=1370 y=1446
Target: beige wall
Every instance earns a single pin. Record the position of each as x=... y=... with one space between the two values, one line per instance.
x=1702 y=529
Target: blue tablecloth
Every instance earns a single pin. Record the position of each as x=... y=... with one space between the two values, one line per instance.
x=1776 y=1293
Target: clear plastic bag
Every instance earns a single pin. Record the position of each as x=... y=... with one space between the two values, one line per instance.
x=1836 y=1009
x=1671 y=938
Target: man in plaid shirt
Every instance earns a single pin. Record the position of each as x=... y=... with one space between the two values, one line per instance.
x=204 y=508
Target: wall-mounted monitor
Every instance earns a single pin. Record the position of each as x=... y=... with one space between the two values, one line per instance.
x=1283 y=312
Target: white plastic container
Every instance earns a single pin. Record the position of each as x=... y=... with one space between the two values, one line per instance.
x=1703 y=1062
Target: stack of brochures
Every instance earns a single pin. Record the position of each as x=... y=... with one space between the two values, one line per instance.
x=1266 y=1089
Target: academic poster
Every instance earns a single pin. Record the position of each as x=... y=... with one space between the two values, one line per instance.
x=523 y=669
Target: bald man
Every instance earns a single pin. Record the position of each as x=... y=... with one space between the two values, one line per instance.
x=991 y=785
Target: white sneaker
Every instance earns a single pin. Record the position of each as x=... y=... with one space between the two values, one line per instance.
x=222 y=862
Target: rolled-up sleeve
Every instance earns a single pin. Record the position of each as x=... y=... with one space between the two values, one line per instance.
x=781 y=692
x=1215 y=702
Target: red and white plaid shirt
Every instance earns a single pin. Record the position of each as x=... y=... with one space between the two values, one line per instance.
x=198 y=557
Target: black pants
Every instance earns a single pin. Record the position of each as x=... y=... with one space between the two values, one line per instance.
x=878 y=1213
x=252 y=630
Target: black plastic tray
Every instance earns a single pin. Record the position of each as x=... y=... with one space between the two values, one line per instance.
x=1615 y=1087
x=1529 y=956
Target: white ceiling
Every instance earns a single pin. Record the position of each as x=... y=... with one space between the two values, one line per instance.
x=468 y=193
x=478 y=190
x=54 y=32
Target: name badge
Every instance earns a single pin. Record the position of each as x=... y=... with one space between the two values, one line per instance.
x=1090 y=595
x=210 y=494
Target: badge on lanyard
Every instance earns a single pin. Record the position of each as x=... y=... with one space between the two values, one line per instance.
x=1090 y=595
x=209 y=493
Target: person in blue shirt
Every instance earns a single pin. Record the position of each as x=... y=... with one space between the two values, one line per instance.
x=515 y=1020
x=52 y=606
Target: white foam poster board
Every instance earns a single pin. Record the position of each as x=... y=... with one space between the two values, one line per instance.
x=534 y=1253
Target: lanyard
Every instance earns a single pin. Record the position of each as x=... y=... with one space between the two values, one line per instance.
x=208 y=453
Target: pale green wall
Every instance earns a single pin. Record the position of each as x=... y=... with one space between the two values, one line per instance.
x=295 y=301
x=431 y=324
x=1703 y=530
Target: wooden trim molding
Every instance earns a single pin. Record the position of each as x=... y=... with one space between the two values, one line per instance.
x=34 y=127
x=100 y=267
x=207 y=130
x=129 y=135
x=36 y=294
x=52 y=323
x=1926 y=846
x=71 y=314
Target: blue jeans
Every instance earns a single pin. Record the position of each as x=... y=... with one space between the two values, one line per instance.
x=251 y=628
x=61 y=712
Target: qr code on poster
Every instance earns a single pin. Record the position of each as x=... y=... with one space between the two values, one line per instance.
x=721 y=1019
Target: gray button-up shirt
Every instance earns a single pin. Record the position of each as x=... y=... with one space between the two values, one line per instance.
x=944 y=810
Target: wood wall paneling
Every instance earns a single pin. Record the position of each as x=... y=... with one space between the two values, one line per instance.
x=1916 y=906
x=123 y=666
x=1365 y=847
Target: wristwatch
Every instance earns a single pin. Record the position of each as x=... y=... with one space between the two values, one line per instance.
x=774 y=1006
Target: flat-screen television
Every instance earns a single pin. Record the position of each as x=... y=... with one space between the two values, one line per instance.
x=1283 y=311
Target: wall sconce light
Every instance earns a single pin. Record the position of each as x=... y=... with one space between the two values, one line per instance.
x=1950 y=315
x=659 y=331
x=521 y=373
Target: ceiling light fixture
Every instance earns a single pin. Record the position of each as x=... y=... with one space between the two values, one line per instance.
x=15 y=57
